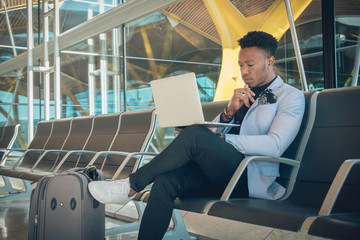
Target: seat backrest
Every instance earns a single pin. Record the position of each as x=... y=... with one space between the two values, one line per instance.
x=334 y=138
x=42 y=134
x=2 y=128
x=9 y=135
x=59 y=133
x=8 y=138
x=134 y=135
x=81 y=128
x=297 y=147
x=105 y=127
x=80 y=132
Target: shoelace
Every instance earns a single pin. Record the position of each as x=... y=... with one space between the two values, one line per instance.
x=117 y=187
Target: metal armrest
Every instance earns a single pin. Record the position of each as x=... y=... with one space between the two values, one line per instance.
x=242 y=166
x=20 y=149
x=126 y=160
x=13 y=150
x=105 y=154
x=123 y=164
x=6 y=152
x=17 y=163
x=4 y=149
x=53 y=151
x=77 y=152
x=336 y=186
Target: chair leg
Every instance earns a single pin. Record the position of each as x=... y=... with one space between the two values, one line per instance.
x=131 y=227
x=8 y=188
x=19 y=195
x=179 y=231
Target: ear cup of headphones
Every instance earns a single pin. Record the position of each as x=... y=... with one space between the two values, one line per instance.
x=91 y=172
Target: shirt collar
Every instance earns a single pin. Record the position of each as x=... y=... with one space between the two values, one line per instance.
x=258 y=90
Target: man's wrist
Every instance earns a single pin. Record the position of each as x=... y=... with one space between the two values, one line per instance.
x=227 y=116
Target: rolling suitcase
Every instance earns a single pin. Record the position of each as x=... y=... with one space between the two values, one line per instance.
x=61 y=207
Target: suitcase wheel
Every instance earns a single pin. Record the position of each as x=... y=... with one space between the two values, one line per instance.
x=53 y=204
x=73 y=204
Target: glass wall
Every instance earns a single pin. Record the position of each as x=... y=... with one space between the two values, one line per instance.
x=91 y=74
x=154 y=47
x=309 y=31
x=158 y=47
x=347 y=50
x=13 y=103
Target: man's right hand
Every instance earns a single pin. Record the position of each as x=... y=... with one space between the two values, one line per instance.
x=241 y=96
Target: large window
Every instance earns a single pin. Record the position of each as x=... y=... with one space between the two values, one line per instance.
x=158 y=47
x=347 y=50
x=309 y=30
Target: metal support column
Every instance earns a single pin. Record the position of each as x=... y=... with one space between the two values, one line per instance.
x=29 y=72
x=329 y=48
x=123 y=30
x=295 y=41
x=103 y=75
x=116 y=68
x=9 y=29
x=46 y=74
x=103 y=67
x=57 y=60
x=91 y=69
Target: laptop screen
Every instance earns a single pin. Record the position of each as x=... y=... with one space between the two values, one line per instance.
x=177 y=101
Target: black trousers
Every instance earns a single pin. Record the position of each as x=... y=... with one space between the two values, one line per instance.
x=197 y=162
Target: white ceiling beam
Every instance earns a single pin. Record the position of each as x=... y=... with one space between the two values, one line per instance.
x=124 y=13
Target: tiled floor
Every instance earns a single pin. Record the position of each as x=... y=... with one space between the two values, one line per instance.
x=14 y=220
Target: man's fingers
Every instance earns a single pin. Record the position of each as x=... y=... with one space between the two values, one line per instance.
x=246 y=102
x=251 y=97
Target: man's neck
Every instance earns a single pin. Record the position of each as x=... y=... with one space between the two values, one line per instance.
x=270 y=78
x=262 y=87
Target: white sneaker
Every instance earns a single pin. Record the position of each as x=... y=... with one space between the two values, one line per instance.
x=111 y=191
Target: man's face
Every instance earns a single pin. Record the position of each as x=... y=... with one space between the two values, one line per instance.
x=255 y=67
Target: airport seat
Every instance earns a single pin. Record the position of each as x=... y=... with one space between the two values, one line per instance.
x=335 y=130
x=126 y=154
x=332 y=224
x=201 y=204
x=59 y=133
x=337 y=226
x=42 y=134
x=134 y=135
x=8 y=136
x=81 y=128
x=103 y=131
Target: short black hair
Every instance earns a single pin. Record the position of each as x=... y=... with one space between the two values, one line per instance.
x=262 y=40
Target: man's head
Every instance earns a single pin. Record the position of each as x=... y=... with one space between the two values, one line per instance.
x=257 y=57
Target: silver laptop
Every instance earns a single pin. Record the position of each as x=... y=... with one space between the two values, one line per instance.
x=177 y=102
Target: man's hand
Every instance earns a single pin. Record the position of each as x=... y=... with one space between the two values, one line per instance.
x=222 y=136
x=242 y=96
x=177 y=130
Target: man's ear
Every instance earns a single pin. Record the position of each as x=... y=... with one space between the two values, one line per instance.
x=270 y=61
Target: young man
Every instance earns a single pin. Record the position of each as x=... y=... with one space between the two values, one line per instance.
x=199 y=161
